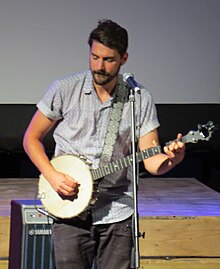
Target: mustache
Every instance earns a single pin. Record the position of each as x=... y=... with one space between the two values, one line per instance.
x=100 y=72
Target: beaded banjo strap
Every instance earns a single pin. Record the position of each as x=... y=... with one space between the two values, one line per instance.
x=114 y=123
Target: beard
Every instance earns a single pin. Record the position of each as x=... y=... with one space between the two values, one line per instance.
x=102 y=78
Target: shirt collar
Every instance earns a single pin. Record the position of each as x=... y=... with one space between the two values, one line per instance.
x=89 y=88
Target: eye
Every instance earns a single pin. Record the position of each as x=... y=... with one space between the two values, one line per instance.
x=109 y=60
x=94 y=57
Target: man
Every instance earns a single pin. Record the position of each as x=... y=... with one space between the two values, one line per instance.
x=80 y=106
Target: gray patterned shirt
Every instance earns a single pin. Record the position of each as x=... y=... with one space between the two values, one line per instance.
x=83 y=122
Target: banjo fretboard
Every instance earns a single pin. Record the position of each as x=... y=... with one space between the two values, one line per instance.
x=122 y=163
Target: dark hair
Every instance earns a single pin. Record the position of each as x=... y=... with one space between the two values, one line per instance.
x=111 y=35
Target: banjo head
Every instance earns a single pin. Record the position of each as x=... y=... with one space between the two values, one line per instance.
x=64 y=207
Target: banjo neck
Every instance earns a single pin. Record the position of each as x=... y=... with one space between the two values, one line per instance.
x=204 y=132
x=122 y=163
x=77 y=167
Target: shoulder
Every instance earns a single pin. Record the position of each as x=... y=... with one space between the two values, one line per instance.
x=71 y=83
x=73 y=79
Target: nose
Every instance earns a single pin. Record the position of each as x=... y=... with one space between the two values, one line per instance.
x=100 y=64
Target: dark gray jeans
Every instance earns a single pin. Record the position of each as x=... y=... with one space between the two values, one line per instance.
x=78 y=242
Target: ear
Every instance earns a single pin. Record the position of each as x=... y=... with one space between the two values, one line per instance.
x=124 y=58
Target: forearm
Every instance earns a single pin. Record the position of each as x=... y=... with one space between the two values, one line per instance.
x=160 y=164
x=36 y=152
x=33 y=145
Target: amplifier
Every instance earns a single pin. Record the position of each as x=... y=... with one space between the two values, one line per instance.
x=31 y=245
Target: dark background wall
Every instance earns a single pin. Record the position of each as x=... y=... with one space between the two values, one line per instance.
x=202 y=160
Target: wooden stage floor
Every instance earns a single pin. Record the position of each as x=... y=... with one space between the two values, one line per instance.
x=180 y=216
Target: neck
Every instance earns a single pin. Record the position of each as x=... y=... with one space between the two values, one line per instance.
x=104 y=92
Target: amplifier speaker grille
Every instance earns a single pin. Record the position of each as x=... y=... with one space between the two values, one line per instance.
x=31 y=245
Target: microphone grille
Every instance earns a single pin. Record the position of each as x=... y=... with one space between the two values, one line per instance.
x=127 y=75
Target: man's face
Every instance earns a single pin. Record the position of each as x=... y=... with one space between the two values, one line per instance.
x=104 y=63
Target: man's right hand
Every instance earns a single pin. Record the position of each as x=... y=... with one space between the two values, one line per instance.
x=64 y=184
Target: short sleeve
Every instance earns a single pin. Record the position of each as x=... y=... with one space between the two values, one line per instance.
x=147 y=120
x=51 y=104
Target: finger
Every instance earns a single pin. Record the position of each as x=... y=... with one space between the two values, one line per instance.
x=179 y=136
x=67 y=186
x=71 y=181
x=66 y=191
x=173 y=149
x=168 y=152
x=179 y=140
x=172 y=146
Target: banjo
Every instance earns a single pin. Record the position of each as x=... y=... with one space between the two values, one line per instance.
x=79 y=168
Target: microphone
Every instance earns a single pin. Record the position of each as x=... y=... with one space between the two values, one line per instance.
x=129 y=78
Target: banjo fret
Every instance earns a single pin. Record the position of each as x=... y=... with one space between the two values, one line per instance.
x=122 y=163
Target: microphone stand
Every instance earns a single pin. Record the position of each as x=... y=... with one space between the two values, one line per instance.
x=135 y=255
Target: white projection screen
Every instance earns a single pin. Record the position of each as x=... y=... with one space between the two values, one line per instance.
x=174 y=45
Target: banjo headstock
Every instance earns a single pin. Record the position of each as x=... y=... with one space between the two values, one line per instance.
x=204 y=132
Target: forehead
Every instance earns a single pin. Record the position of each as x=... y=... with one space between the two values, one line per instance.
x=103 y=51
